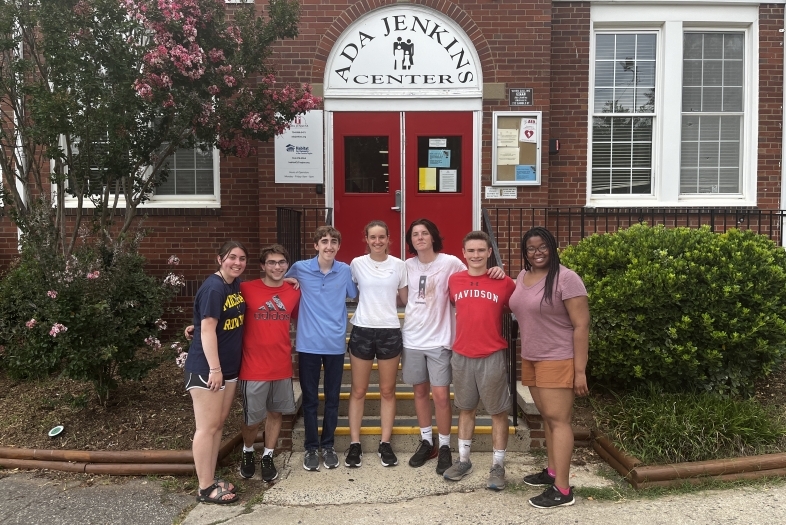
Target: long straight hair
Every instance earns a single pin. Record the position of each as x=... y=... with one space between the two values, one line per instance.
x=551 y=242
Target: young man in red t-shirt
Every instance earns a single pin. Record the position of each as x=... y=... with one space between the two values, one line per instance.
x=266 y=366
x=478 y=361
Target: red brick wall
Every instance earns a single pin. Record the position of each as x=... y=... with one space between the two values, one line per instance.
x=770 y=105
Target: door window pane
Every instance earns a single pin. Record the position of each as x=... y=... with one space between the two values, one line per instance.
x=366 y=164
x=439 y=164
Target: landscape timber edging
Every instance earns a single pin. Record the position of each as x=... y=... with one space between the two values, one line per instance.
x=120 y=463
x=694 y=472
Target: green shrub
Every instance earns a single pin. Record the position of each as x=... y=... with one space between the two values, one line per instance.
x=85 y=316
x=658 y=427
x=683 y=308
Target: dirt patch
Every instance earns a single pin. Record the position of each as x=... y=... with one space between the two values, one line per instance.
x=155 y=413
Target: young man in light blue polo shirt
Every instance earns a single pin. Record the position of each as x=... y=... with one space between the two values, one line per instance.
x=325 y=283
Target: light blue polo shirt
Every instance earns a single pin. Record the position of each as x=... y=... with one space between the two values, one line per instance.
x=322 y=317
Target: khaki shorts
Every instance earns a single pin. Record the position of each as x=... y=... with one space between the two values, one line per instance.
x=484 y=379
x=547 y=374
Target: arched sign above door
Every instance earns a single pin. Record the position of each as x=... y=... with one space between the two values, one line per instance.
x=403 y=51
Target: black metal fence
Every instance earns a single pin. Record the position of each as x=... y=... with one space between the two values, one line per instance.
x=570 y=225
x=295 y=228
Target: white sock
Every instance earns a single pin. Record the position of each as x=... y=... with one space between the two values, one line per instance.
x=425 y=434
x=268 y=452
x=463 y=447
x=444 y=440
x=499 y=458
x=248 y=449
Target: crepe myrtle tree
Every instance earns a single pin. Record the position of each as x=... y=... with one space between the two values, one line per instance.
x=95 y=95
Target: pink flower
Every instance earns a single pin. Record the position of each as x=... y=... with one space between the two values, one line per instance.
x=160 y=324
x=174 y=260
x=213 y=90
x=52 y=294
x=31 y=323
x=229 y=80
x=152 y=342
x=181 y=359
x=56 y=329
x=93 y=275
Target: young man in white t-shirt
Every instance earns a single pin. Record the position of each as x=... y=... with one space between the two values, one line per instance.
x=428 y=335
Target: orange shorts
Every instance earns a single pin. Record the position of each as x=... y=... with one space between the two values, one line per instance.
x=547 y=374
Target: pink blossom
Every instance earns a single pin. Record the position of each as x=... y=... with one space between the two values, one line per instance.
x=229 y=80
x=160 y=324
x=52 y=294
x=31 y=323
x=216 y=55
x=152 y=342
x=174 y=280
x=93 y=275
x=213 y=90
x=169 y=101
x=174 y=260
x=143 y=89
x=56 y=329
x=181 y=359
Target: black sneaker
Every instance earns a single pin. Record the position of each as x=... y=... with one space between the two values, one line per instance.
x=425 y=452
x=445 y=460
x=541 y=479
x=386 y=455
x=269 y=472
x=353 y=456
x=552 y=497
x=247 y=465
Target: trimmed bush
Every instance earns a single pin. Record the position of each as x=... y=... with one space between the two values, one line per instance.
x=683 y=309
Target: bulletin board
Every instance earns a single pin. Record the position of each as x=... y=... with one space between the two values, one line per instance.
x=516 y=139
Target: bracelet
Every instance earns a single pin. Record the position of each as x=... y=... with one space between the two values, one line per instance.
x=215 y=370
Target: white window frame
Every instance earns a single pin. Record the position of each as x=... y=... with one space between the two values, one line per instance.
x=670 y=22
x=168 y=201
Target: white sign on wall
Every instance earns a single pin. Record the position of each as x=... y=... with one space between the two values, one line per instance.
x=299 y=151
x=401 y=50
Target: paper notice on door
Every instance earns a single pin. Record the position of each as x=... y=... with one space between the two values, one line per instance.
x=448 y=180
x=507 y=138
x=529 y=130
x=427 y=179
x=507 y=156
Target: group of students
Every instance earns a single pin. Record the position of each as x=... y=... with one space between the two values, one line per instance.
x=436 y=348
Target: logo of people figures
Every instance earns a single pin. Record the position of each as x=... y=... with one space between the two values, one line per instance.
x=403 y=52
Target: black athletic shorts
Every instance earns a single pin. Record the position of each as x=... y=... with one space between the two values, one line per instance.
x=382 y=343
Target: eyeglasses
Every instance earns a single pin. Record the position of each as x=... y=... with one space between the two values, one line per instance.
x=542 y=249
x=276 y=263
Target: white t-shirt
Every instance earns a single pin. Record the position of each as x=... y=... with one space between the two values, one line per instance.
x=429 y=321
x=378 y=283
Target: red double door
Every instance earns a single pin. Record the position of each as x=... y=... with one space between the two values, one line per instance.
x=400 y=166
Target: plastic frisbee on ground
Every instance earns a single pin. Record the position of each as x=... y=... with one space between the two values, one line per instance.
x=56 y=431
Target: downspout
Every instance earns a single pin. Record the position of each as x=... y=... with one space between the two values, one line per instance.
x=21 y=185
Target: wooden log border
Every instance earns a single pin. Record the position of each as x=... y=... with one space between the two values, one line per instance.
x=694 y=472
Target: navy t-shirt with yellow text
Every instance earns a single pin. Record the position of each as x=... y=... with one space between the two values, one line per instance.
x=221 y=301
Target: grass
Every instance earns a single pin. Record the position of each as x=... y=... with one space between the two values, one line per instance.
x=658 y=427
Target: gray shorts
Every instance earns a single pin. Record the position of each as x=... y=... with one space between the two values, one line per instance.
x=261 y=397
x=432 y=365
x=484 y=379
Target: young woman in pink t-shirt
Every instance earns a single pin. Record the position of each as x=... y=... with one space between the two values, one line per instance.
x=550 y=303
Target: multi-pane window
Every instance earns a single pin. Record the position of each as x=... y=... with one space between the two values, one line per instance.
x=712 y=113
x=190 y=172
x=624 y=110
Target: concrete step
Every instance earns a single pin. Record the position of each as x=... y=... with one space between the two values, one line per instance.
x=405 y=401
x=406 y=434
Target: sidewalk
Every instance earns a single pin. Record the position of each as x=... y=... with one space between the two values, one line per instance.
x=403 y=495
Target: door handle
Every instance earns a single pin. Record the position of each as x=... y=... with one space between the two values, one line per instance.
x=397 y=207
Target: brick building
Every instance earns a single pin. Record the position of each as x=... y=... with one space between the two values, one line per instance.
x=443 y=108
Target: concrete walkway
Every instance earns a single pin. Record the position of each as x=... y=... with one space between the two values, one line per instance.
x=402 y=495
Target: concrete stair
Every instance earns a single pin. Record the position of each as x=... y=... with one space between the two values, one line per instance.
x=406 y=432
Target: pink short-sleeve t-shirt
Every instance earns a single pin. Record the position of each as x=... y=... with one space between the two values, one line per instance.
x=546 y=330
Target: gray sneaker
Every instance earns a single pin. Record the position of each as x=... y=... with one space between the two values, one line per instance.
x=329 y=457
x=458 y=470
x=311 y=460
x=496 y=478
